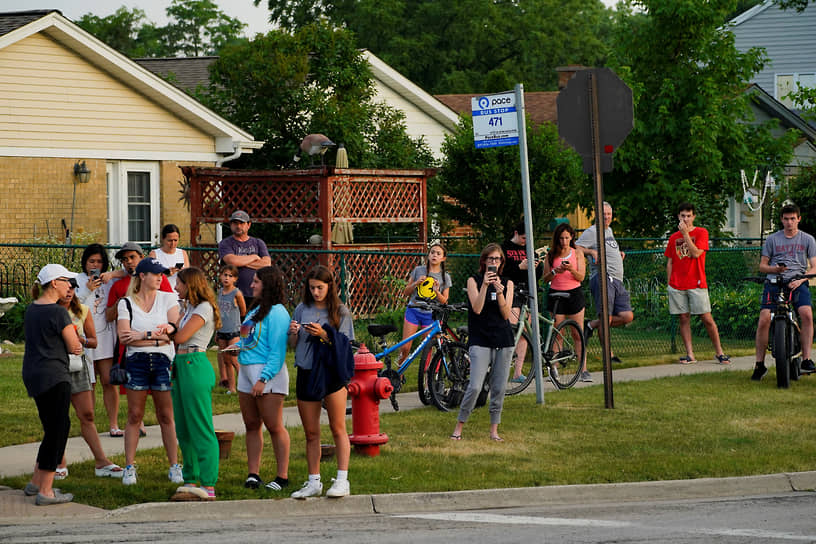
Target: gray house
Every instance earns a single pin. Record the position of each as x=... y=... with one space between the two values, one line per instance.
x=789 y=39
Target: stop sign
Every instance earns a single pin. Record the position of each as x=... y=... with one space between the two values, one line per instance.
x=614 y=116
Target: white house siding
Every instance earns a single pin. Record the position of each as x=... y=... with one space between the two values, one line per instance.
x=51 y=98
x=788 y=37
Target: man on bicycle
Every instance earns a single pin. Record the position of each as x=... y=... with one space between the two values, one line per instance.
x=789 y=252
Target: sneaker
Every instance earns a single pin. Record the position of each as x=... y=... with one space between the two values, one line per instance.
x=759 y=371
x=311 y=488
x=586 y=376
x=253 y=481
x=519 y=379
x=587 y=330
x=129 y=477
x=340 y=488
x=808 y=366
x=174 y=474
x=58 y=498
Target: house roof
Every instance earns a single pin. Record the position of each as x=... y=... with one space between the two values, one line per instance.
x=19 y=25
x=540 y=106
x=750 y=13
x=773 y=107
x=187 y=72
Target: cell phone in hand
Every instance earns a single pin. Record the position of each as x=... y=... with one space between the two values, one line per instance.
x=94 y=273
x=492 y=268
x=180 y=265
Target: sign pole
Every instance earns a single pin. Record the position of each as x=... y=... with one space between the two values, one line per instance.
x=528 y=228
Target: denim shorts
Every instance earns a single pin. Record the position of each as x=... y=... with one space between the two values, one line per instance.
x=148 y=371
x=800 y=297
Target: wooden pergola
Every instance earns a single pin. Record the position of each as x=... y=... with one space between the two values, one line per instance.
x=327 y=197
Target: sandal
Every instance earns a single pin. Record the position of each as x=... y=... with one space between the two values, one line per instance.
x=723 y=359
x=61 y=473
x=497 y=439
x=686 y=360
x=456 y=437
x=110 y=471
x=116 y=432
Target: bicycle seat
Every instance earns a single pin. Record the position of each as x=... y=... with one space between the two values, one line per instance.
x=381 y=330
x=559 y=295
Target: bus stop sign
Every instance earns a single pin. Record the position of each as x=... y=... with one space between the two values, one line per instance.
x=614 y=118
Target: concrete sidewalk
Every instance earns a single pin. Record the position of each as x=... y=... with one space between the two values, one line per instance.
x=17 y=460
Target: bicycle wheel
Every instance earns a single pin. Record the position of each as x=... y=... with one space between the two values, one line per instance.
x=566 y=353
x=448 y=376
x=796 y=353
x=424 y=363
x=781 y=353
x=522 y=358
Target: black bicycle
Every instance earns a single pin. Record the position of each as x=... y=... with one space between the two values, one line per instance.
x=783 y=336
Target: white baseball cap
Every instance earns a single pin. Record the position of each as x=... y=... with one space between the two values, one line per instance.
x=50 y=272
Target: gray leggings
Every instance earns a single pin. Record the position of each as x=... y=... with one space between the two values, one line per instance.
x=480 y=359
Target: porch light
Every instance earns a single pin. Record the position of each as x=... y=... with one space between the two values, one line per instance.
x=81 y=172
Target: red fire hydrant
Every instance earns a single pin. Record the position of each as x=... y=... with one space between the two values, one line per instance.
x=366 y=391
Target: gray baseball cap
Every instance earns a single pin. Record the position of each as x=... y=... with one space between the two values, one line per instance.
x=241 y=216
x=129 y=246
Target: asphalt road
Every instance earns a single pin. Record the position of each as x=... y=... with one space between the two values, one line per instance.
x=788 y=517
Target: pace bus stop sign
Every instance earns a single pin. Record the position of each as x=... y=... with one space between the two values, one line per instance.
x=495 y=120
x=577 y=121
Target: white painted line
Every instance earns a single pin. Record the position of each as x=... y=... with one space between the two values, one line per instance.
x=756 y=533
x=516 y=520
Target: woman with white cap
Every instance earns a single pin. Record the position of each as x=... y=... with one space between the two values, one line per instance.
x=50 y=337
x=142 y=324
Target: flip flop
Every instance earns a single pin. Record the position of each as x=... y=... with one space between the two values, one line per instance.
x=686 y=360
x=456 y=437
x=110 y=471
x=723 y=359
x=497 y=439
x=117 y=432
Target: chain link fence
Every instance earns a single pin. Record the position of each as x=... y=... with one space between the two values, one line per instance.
x=372 y=283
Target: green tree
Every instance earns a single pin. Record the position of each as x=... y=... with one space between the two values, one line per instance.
x=482 y=187
x=798 y=5
x=127 y=31
x=801 y=190
x=199 y=28
x=693 y=128
x=469 y=45
x=282 y=86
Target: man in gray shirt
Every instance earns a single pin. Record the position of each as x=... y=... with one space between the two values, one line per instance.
x=789 y=252
x=620 y=307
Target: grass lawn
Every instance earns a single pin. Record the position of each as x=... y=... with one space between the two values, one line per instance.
x=706 y=425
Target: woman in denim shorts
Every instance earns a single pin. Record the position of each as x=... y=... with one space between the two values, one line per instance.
x=143 y=328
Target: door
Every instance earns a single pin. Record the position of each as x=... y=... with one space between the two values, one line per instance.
x=133 y=202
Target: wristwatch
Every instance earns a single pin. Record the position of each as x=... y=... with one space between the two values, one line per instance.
x=148 y=334
x=262 y=379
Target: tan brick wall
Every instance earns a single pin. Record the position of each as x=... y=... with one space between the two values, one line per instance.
x=174 y=210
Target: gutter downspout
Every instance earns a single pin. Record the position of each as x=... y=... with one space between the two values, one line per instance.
x=236 y=147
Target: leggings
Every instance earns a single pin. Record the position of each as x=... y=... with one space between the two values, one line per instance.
x=53 y=406
x=480 y=359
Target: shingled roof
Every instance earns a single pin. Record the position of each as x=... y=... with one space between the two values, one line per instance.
x=540 y=106
x=12 y=20
x=187 y=72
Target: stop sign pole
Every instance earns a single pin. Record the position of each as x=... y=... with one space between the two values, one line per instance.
x=594 y=117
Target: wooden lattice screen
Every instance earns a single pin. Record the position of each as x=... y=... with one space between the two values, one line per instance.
x=321 y=196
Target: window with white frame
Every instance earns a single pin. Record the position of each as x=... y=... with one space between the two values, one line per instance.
x=788 y=83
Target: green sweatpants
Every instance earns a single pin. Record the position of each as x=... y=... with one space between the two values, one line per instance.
x=192 y=409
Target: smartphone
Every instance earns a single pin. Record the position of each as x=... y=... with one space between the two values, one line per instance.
x=565 y=262
x=492 y=268
x=180 y=265
x=94 y=273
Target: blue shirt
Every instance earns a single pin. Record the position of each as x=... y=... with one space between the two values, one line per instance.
x=264 y=343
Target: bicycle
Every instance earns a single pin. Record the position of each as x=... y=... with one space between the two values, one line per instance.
x=440 y=341
x=563 y=356
x=783 y=335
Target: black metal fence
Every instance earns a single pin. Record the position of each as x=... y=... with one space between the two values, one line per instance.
x=376 y=291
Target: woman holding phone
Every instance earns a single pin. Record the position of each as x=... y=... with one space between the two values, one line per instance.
x=169 y=254
x=565 y=268
x=490 y=338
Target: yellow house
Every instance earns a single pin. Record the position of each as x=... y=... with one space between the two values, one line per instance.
x=68 y=100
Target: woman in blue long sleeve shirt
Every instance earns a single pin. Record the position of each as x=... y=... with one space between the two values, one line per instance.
x=263 y=380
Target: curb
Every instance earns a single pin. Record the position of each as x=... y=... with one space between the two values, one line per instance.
x=407 y=503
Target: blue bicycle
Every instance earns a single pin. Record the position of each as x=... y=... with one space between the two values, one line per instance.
x=439 y=342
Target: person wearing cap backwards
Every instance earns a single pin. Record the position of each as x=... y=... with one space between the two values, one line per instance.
x=50 y=337
x=244 y=251
x=143 y=327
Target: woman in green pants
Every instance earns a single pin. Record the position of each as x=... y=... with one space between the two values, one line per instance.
x=193 y=380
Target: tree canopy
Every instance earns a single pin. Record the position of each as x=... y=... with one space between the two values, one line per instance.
x=195 y=28
x=483 y=186
x=693 y=128
x=282 y=86
x=469 y=45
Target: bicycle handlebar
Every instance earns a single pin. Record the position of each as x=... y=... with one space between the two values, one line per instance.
x=432 y=306
x=777 y=279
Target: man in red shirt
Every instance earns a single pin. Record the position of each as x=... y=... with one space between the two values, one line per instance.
x=688 y=291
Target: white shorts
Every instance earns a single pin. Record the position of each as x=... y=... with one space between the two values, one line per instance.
x=104 y=344
x=248 y=375
x=689 y=301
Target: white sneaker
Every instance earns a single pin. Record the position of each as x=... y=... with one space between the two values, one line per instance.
x=340 y=488
x=129 y=477
x=311 y=488
x=174 y=474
